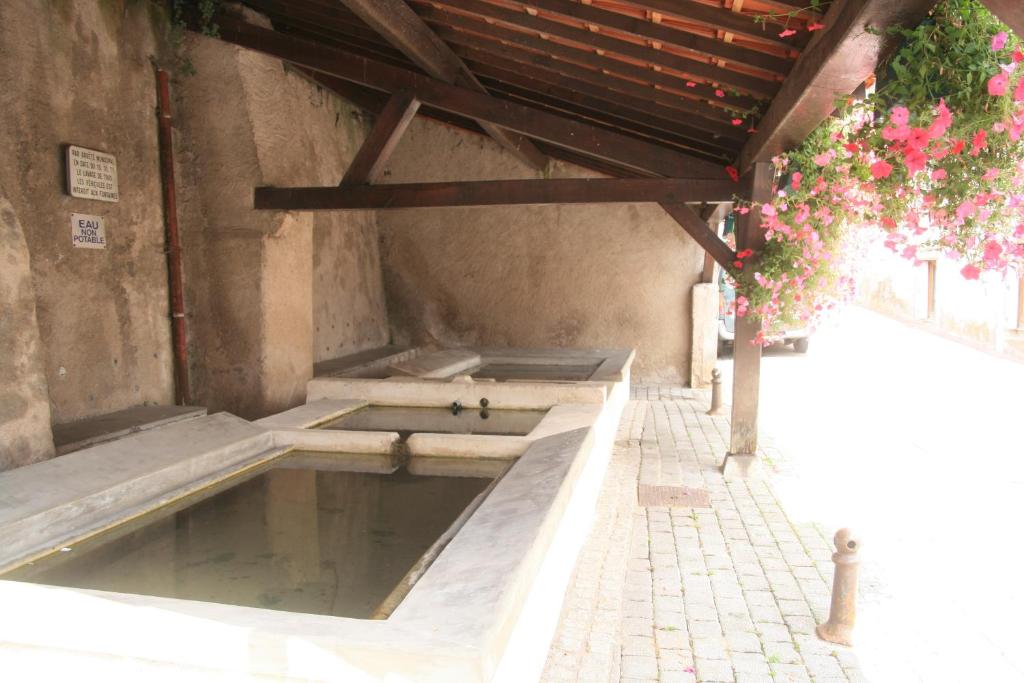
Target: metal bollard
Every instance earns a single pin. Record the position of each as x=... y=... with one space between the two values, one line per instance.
x=716 y=392
x=843 y=611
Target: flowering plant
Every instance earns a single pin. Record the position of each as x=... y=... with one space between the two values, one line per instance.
x=934 y=157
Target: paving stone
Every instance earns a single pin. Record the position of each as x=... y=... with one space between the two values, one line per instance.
x=743 y=642
x=709 y=648
x=790 y=673
x=782 y=653
x=750 y=663
x=639 y=667
x=714 y=670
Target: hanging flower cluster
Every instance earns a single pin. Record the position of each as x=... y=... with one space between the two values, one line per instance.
x=935 y=158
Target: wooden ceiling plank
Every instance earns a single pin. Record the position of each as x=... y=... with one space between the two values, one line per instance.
x=839 y=58
x=687 y=41
x=446 y=22
x=404 y=29
x=713 y=17
x=558 y=130
x=712 y=119
x=558 y=85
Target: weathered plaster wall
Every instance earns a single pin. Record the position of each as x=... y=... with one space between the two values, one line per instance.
x=587 y=275
x=269 y=293
x=982 y=311
x=25 y=435
x=79 y=72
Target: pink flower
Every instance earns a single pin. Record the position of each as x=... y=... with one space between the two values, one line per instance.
x=991 y=174
x=918 y=138
x=1018 y=55
x=768 y=210
x=939 y=174
x=691 y=84
x=943 y=120
x=966 y=209
x=993 y=250
x=1018 y=92
x=737 y=122
x=825 y=158
x=815 y=26
x=900 y=116
x=719 y=93
x=733 y=173
x=910 y=251
x=999 y=41
x=787 y=33
x=795 y=180
x=894 y=133
x=997 y=84
x=970 y=272
x=979 y=142
x=914 y=159
x=881 y=169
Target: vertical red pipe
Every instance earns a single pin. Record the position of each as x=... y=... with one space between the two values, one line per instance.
x=182 y=395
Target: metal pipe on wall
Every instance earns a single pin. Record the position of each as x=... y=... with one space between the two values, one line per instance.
x=182 y=394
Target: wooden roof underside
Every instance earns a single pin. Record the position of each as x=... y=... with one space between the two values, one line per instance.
x=650 y=70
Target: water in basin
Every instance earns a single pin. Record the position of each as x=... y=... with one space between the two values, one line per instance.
x=406 y=421
x=289 y=538
x=535 y=372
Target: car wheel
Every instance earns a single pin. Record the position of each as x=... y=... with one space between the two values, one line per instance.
x=800 y=345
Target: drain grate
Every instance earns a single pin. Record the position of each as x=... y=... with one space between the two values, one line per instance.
x=661 y=495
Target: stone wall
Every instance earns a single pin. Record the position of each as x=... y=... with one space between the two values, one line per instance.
x=80 y=73
x=24 y=404
x=611 y=275
x=267 y=293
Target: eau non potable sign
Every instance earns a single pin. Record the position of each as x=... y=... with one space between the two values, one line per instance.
x=88 y=232
x=92 y=174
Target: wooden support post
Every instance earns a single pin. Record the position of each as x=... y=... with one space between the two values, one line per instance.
x=741 y=460
x=382 y=140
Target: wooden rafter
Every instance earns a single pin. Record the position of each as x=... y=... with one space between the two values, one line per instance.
x=400 y=26
x=835 y=63
x=376 y=149
x=620 y=149
x=604 y=41
x=453 y=27
x=703 y=235
x=496 y=192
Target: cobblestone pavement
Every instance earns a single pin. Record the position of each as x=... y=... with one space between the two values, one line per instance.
x=726 y=593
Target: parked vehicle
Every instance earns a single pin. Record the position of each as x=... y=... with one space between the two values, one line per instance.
x=800 y=339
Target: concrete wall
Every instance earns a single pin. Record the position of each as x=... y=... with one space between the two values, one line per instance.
x=79 y=73
x=588 y=275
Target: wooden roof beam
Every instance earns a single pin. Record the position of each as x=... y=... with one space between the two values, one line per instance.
x=837 y=60
x=494 y=193
x=400 y=26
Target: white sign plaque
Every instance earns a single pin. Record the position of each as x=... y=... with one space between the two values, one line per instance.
x=88 y=232
x=92 y=174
